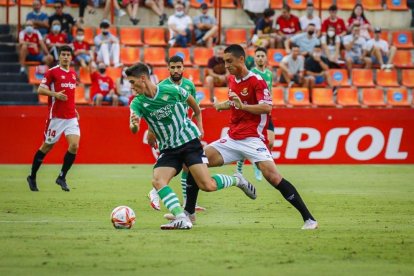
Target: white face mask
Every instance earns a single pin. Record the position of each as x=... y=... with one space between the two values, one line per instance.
x=179 y=13
x=80 y=37
x=331 y=33
x=56 y=28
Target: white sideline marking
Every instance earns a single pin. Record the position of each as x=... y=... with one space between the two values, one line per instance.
x=48 y=221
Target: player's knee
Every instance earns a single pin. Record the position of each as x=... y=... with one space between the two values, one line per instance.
x=45 y=148
x=73 y=147
x=157 y=183
x=272 y=176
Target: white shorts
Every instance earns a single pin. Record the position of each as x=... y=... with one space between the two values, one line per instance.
x=55 y=127
x=251 y=148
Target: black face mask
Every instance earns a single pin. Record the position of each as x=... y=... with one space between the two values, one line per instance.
x=105 y=33
x=311 y=32
x=102 y=70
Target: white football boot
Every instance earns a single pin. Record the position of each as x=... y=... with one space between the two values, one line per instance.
x=310 y=225
x=245 y=186
x=192 y=217
x=154 y=199
x=181 y=223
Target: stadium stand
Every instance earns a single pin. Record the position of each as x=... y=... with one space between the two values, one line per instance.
x=155 y=56
x=347 y=97
x=275 y=56
x=397 y=97
x=372 y=5
x=203 y=96
x=276 y=4
x=161 y=72
x=387 y=78
x=403 y=39
x=155 y=36
x=130 y=36
x=363 y=77
x=89 y=34
x=235 y=36
x=202 y=55
x=324 y=3
x=372 y=97
x=298 y=96
x=129 y=55
x=322 y=97
x=297 y=4
x=85 y=76
x=403 y=59
x=399 y=5
x=221 y=93
x=193 y=74
x=278 y=96
x=408 y=78
x=346 y=4
x=339 y=77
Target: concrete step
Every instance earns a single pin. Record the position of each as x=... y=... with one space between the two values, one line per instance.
x=18 y=98
x=16 y=86
x=8 y=57
x=9 y=67
x=13 y=77
x=8 y=48
x=6 y=38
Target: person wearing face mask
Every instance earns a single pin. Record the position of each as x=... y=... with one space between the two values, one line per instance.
x=31 y=46
x=107 y=46
x=309 y=18
x=66 y=20
x=358 y=17
x=331 y=44
x=55 y=38
x=306 y=41
x=335 y=21
x=102 y=88
x=205 y=27
x=380 y=51
x=82 y=49
x=264 y=34
x=40 y=19
x=354 y=49
x=180 y=26
x=124 y=89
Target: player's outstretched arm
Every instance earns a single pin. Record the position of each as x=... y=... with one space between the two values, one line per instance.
x=133 y=123
x=196 y=113
x=261 y=108
x=58 y=95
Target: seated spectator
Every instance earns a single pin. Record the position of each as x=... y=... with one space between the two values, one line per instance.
x=331 y=44
x=287 y=23
x=186 y=4
x=40 y=19
x=180 y=26
x=309 y=18
x=107 y=46
x=82 y=7
x=264 y=34
x=306 y=41
x=205 y=27
x=217 y=73
x=117 y=9
x=31 y=44
x=55 y=39
x=292 y=67
x=123 y=86
x=317 y=69
x=131 y=7
x=335 y=21
x=102 y=88
x=254 y=9
x=358 y=17
x=81 y=49
x=66 y=20
x=354 y=45
x=157 y=6
x=379 y=51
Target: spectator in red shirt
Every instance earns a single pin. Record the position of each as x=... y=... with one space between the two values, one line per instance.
x=102 y=88
x=358 y=18
x=287 y=24
x=31 y=44
x=334 y=20
x=81 y=48
x=55 y=38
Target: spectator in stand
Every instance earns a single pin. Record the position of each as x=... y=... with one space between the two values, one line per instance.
x=331 y=44
x=186 y=4
x=306 y=41
x=40 y=19
x=157 y=6
x=205 y=27
x=354 y=49
x=123 y=86
x=154 y=78
x=102 y=88
x=334 y=20
x=380 y=51
x=81 y=49
x=31 y=44
x=287 y=23
x=358 y=17
x=131 y=7
x=217 y=73
x=255 y=8
x=55 y=39
x=317 y=69
x=180 y=26
x=82 y=7
x=292 y=67
x=117 y=9
x=309 y=18
x=107 y=46
x=66 y=20
x=264 y=34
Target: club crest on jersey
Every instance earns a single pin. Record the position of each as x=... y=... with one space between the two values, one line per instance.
x=63 y=77
x=223 y=141
x=244 y=92
x=165 y=98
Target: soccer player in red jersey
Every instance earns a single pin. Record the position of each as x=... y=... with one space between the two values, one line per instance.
x=59 y=84
x=250 y=104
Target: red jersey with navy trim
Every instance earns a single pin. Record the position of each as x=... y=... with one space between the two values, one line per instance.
x=58 y=79
x=251 y=89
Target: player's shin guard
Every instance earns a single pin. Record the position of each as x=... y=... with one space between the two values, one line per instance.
x=224 y=181
x=290 y=193
x=37 y=162
x=67 y=164
x=192 y=194
x=184 y=176
x=170 y=200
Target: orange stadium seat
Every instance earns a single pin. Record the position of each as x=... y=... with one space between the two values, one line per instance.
x=130 y=55
x=372 y=5
x=403 y=59
x=113 y=30
x=397 y=96
x=298 y=96
x=276 y=4
x=202 y=55
x=184 y=53
x=278 y=96
x=339 y=77
x=80 y=95
x=4 y=3
x=114 y=72
x=402 y=39
x=323 y=97
x=387 y=78
x=85 y=76
x=89 y=34
x=397 y=5
x=36 y=73
x=154 y=36
x=227 y=4
x=130 y=36
x=373 y=97
x=408 y=78
x=363 y=77
x=162 y=73
x=43 y=99
x=297 y=4
x=155 y=56
x=197 y=3
x=203 y=96
x=193 y=74
x=221 y=94
x=325 y=4
x=26 y=3
x=275 y=56
x=345 y=4
x=235 y=36
x=347 y=97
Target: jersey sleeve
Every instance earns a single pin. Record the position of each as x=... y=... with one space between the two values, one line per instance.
x=134 y=109
x=262 y=93
x=193 y=92
x=47 y=80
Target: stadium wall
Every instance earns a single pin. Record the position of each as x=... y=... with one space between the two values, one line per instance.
x=303 y=136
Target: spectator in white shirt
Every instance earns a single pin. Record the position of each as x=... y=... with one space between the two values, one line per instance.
x=354 y=49
x=292 y=67
x=180 y=26
x=331 y=44
x=107 y=46
x=309 y=18
x=379 y=50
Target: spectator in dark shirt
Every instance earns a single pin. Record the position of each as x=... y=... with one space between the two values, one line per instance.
x=317 y=69
x=264 y=34
x=66 y=20
x=217 y=74
x=40 y=19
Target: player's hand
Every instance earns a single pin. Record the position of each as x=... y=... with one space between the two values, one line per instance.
x=134 y=119
x=61 y=96
x=237 y=102
x=77 y=115
x=152 y=140
x=200 y=128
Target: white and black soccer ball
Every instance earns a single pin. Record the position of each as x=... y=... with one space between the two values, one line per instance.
x=123 y=217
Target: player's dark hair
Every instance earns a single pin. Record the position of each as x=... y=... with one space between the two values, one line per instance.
x=175 y=59
x=260 y=49
x=236 y=50
x=137 y=70
x=268 y=12
x=65 y=48
x=286 y=8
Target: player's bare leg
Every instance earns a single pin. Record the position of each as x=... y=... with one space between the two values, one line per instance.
x=70 y=156
x=37 y=162
x=288 y=191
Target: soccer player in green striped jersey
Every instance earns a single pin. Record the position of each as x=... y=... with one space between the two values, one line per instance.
x=163 y=108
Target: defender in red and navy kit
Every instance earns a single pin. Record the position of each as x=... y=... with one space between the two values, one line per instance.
x=59 y=84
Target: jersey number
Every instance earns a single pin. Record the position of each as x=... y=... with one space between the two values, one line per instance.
x=51 y=133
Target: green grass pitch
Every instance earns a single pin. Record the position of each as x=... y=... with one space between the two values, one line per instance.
x=365 y=214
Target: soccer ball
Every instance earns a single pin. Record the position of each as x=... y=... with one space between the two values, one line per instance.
x=123 y=217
